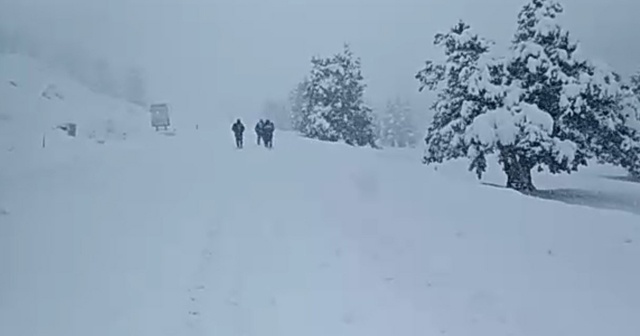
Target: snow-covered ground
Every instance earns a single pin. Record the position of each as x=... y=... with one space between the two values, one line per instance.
x=186 y=235
x=35 y=99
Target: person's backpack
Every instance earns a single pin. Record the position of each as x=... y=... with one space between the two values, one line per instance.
x=269 y=126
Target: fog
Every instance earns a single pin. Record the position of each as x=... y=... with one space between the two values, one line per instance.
x=224 y=58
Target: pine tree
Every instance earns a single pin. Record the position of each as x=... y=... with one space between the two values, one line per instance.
x=565 y=108
x=396 y=126
x=318 y=99
x=624 y=147
x=459 y=98
x=541 y=76
x=334 y=109
x=296 y=104
x=540 y=106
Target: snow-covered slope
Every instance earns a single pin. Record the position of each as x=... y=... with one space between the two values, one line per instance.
x=187 y=236
x=35 y=100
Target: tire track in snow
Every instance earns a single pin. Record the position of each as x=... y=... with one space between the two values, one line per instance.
x=198 y=290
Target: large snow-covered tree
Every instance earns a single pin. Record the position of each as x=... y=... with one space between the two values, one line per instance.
x=565 y=108
x=539 y=106
x=334 y=109
x=535 y=126
x=457 y=101
x=397 y=128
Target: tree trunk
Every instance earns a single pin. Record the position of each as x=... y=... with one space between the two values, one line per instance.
x=518 y=173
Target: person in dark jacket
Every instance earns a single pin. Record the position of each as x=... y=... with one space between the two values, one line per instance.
x=267 y=133
x=238 y=130
x=259 y=130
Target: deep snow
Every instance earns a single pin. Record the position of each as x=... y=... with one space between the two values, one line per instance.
x=185 y=235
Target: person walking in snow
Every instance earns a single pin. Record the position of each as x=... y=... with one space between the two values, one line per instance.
x=260 y=130
x=267 y=133
x=238 y=130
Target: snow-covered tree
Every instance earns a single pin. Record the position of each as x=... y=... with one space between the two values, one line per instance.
x=457 y=103
x=536 y=125
x=540 y=106
x=135 y=87
x=635 y=83
x=624 y=146
x=296 y=104
x=579 y=99
x=334 y=109
x=396 y=125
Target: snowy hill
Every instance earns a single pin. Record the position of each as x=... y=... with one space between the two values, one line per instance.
x=35 y=100
x=186 y=235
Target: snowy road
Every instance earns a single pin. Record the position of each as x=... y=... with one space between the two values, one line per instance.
x=168 y=239
x=186 y=235
x=276 y=264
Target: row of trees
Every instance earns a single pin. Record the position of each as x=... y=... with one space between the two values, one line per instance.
x=329 y=105
x=539 y=106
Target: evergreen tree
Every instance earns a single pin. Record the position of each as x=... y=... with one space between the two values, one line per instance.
x=334 y=109
x=540 y=106
x=565 y=109
x=532 y=127
x=459 y=99
x=296 y=104
x=625 y=147
x=396 y=125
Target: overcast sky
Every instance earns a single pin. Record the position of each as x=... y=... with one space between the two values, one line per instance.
x=226 y=57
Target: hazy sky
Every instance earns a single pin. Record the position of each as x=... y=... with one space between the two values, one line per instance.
x=226 y=57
